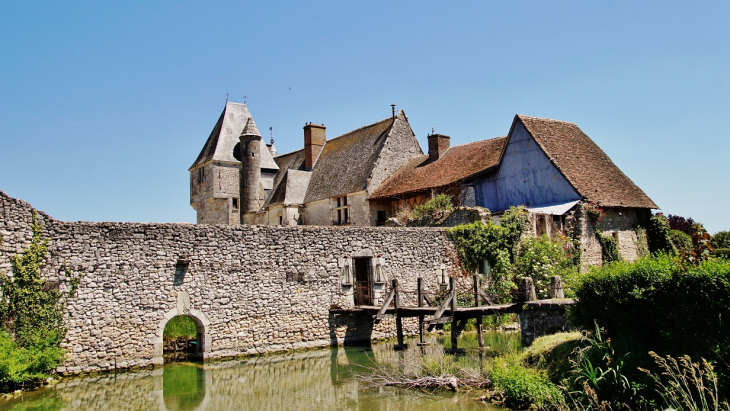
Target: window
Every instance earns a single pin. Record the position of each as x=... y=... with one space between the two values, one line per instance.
x=201 y=174
x=281 y=220
x=235 y=203
x=340 y=210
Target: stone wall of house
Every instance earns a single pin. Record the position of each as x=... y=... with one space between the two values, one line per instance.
x=620 y=223
x=212 y=198
x=250 y=289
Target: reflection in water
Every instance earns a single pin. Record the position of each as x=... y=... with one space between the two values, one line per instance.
x=183 y=386
x=321 y=379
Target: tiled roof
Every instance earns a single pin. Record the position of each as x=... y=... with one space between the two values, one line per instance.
x=588 y=169
x=346 y=162
x=290 y=161
x=457 y=163
x=225 y=135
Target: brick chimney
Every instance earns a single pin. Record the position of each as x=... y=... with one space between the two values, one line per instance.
x=314 y=139
x=437 y=146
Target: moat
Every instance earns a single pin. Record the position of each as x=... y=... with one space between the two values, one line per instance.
x=318 y=379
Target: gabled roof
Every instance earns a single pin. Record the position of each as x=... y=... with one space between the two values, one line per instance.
x=459 y=162
x=225 y=135
x=286 y=162
x=588 y=169
x=346 y=162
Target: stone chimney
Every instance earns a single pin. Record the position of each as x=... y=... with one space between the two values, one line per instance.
x=314 y=139
x=437 y=146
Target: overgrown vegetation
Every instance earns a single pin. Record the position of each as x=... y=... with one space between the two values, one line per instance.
x=541 y=258
x=437 y=204
x=658 y=235
x=180 y=327
x=494 y=243
x=609 y=247
x=31 y=316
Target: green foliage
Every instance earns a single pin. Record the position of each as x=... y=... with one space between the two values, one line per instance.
x=439 y=203
x=523 y=386
x=19 y=364
x=181 y=326
x=609 y=248
x=680 y=240
x=597 y=370
x=721 y=239
x=642 y=243
x=658 y=235
x=542 y=258
x=673 y=305
x=31 y=314
x=476 y=242
x=515 y=221
x=550 y=353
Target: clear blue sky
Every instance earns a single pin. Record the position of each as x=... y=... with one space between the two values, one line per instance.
x=105 y=105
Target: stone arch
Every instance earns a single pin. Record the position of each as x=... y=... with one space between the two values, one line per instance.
x=202 y=323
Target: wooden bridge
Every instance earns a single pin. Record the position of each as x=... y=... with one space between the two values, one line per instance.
x=448 y=311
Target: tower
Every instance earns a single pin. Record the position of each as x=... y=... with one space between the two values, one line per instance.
x=216 y=175
x=251 y=189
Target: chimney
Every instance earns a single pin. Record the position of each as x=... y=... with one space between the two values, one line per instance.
x=314 y=139
x=437 y=146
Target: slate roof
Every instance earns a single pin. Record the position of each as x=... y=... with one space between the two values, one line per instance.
x=457 y=163
x=286 y=162
x=346 y=162
x=588 y=169
x=224 y=137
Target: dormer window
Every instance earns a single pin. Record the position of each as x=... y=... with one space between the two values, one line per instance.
x=340 y=210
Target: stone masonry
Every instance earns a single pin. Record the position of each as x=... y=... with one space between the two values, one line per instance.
x=250 y=289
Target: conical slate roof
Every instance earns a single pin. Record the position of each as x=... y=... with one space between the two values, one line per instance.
x=225 y=135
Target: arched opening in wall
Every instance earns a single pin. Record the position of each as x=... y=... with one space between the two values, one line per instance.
x=182 y=339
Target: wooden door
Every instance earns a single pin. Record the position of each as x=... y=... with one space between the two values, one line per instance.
x=363 y=282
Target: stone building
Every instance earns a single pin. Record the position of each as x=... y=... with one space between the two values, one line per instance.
x=364 y=176
x=549 y=166
x=238 y=179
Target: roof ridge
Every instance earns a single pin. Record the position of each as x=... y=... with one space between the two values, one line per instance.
x=289 y=153
x=361 y=128
x=546 y=119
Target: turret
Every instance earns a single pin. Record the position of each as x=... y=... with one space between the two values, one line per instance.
x=250 y=147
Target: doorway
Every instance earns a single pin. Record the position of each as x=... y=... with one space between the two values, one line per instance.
x=363 y=281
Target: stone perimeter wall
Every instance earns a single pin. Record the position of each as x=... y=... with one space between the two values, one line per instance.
x=250 y=289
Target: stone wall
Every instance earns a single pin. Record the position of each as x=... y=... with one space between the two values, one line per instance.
x=620 y=223
x=212 y=198
x=250 y=289
x=543 y=317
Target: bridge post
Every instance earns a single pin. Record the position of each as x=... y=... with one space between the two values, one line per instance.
x=556 y=287
x=398 y=319
x=528 y=290
x=478 y=303
x=421 y=326
x=454 y=323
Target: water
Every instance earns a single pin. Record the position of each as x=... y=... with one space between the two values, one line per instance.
x=322 y=379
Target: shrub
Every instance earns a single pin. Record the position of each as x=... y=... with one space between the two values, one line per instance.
x=181 y=326
x=685 y=225
x=721 y=239
x=658 y=235
x=541 y=258
x=523 y=386
x=670 y=306
x=439 y=203
x=31 y=314
x=680 y=240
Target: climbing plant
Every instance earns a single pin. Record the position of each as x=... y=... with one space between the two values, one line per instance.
x=31 y=315
x=658 y=235
x=609 y=247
